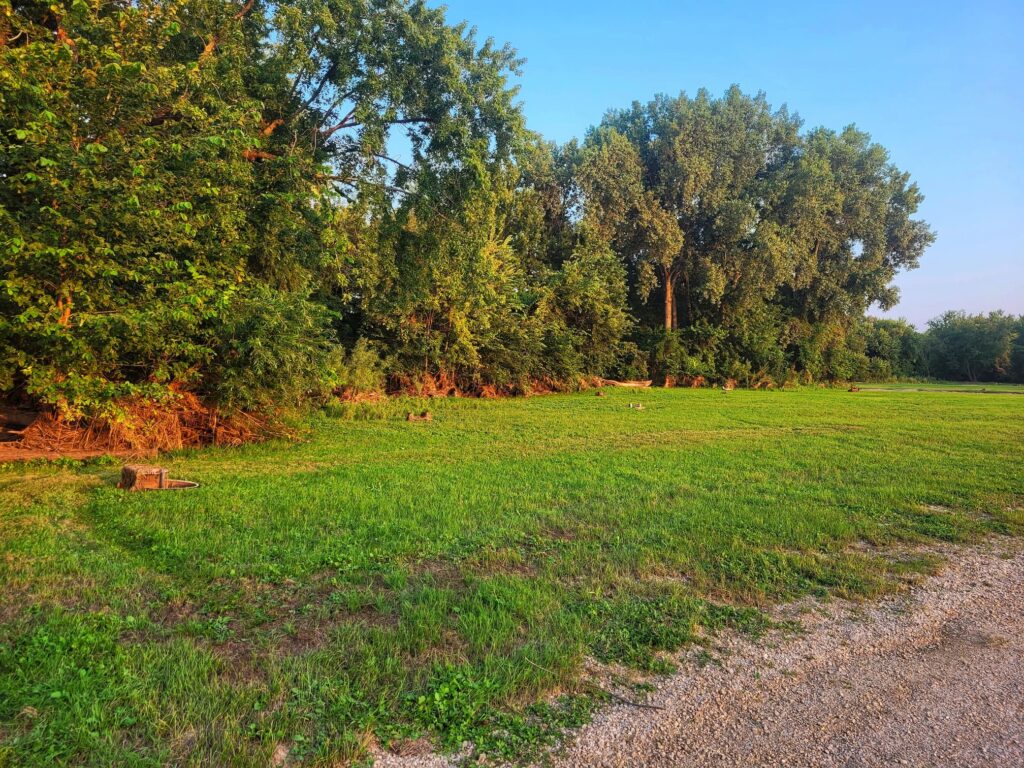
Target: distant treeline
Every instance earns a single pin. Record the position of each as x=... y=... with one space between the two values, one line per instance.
x=955 y=347
x=266 y=203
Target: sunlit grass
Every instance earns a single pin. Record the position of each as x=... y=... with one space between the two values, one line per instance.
x=384 y=579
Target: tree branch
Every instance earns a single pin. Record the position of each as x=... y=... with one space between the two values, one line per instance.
x=320 y=86
x=272 y=126
x=399 y=163
x=345 y=123
x=214 y=41
x=244 y=10
x=349 y=181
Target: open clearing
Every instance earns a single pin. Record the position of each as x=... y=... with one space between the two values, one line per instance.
x=385 y=581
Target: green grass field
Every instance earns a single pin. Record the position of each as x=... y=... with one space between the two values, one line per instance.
x=946 y=386
x=384 y=580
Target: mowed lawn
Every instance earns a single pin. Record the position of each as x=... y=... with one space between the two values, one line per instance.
x=385 y=580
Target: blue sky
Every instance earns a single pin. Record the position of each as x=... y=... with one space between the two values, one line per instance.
x=941 y=85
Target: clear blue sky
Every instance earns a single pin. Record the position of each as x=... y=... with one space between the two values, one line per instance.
x=940 y=84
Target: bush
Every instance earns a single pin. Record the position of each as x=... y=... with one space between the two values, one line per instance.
x=360 y=372
x=271 y=348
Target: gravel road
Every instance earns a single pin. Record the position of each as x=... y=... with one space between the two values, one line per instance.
x=933 y=677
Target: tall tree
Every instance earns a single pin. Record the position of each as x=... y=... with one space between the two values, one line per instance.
x=850 y=215
x=621 y=211
x=759 y=238
x=712 y=165
x=164 y=163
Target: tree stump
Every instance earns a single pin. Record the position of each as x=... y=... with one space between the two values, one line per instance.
x=139 y=477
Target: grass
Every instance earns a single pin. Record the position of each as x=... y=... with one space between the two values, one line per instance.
x=945 y=386
x=384 y=581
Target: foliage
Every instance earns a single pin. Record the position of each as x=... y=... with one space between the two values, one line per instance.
x=766 y=245
x=975 y=347
x=167 y=165
x=261 y=203
x=361 y=371
x=270 y=348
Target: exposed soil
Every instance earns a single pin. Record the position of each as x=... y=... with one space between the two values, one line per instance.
x=14 y=422
x=933 y=677
x=10 y=452
x=144 y=429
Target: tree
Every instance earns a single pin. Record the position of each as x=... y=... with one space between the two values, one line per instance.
x=123 y=199
x=849 y=212
x=619 y=210
x=165 y=163
x=1017 y=356
x=711 y=165
x=887 y=349
x=776 y=239
x=972 y=347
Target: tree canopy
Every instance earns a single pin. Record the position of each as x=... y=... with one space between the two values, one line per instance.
x=260 y=203
x=763 y=243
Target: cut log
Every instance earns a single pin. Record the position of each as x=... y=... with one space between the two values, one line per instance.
x=139 y=477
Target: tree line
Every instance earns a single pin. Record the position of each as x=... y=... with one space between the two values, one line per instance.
x=263 y=203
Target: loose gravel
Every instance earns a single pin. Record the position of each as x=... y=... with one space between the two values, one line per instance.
x=932 y=677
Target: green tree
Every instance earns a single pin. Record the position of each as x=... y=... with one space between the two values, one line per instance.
x=1017 y=355
x=712 y=166
x=849 y=214
x=972 y=347
x=758 y=237
x=163 y=164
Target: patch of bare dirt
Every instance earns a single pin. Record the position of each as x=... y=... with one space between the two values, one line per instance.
x=294 y=620
x=143 y=428
x=12 y=452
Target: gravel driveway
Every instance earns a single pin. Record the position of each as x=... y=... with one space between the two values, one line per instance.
x=933 y=677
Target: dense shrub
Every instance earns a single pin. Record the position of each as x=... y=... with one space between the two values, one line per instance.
x=268 y=348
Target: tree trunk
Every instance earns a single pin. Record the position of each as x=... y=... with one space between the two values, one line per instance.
x=670 y=312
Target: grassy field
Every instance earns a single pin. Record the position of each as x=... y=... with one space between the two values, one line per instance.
x=384 y=580
x=945 y=386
